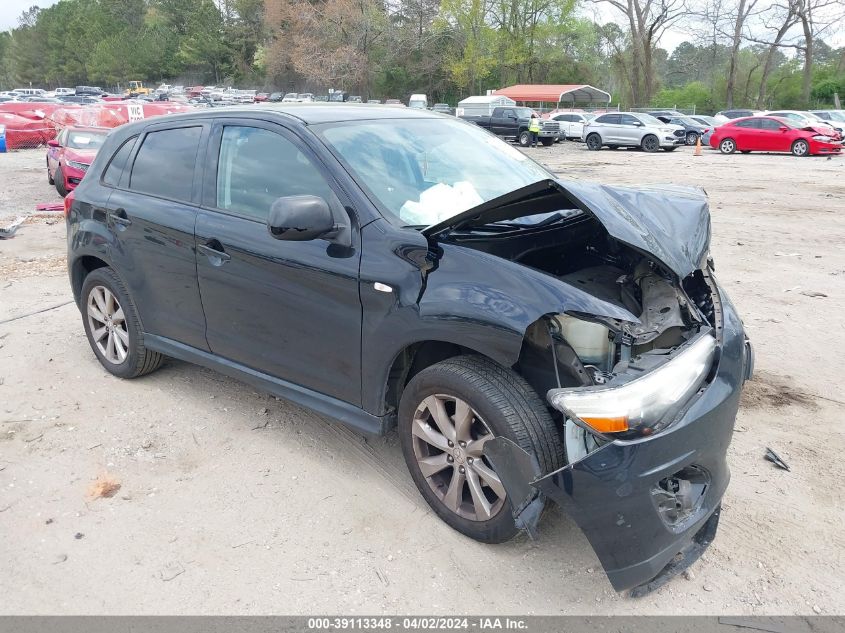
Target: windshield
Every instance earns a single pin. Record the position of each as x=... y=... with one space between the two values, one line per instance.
x=650 y=120
x=425 y=171
x=85 y=140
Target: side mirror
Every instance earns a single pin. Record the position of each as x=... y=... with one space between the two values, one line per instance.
x=783 y=128
x=638 y=124
x=53 y=143
x=300 y=218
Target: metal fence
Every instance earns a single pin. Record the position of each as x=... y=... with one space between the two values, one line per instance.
x=688 y=110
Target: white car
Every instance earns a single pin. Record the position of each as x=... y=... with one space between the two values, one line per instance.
x=290 y=97
x=572 y=123
x=807 y=119
x=305 y=97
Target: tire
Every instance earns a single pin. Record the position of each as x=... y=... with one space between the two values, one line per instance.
x=650 y=143
x=670 y=149
x=593 y=142
x=524 y=138
x=60 y=182
x=501 y=403
x=49 y=177
x=547 y=141
x=800 y=148
x=727 y=146
x=692 y=138
x=137 y=359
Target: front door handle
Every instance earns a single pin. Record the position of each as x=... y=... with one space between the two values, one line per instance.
x=119 y=217
x=214 y=251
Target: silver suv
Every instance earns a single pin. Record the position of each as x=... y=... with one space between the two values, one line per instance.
x=632 y=129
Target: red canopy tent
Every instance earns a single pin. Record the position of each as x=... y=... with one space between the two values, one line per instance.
x=561 y=94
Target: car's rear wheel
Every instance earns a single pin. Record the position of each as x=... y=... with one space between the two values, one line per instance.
x=60 y=182
x=800 y=148
x=113 y=327
x=650 y=143
x=524 y=139
x=593 y=142
x=692 y=138
x=447 y=413
x=727 y=146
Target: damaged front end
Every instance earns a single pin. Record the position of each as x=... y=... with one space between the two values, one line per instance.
x=645 y=386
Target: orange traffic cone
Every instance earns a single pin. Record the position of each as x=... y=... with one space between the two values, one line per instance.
x=697 y=147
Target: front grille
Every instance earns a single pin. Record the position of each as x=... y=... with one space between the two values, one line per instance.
x=551 y=126
x=679 y=133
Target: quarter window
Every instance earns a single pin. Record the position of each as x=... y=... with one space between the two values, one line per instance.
x=118 y=162
x=257 y=166
x=165 y=163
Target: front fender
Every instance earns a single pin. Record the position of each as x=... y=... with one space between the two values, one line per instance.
x=461 y=296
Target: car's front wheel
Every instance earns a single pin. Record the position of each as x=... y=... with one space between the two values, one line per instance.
x=447 y=413
x=800 y=148
x=49 y=176
x=60 y=182
x=650 y=143
x=113 y=328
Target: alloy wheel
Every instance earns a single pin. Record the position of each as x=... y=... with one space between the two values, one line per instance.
x=651 y=144
x=107 y=324
x=727 y=146
x=448 y=441
x=692 y=137
x=800 y=148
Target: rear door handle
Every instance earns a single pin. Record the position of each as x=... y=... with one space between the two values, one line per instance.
x=214 y=251
x=119 y=217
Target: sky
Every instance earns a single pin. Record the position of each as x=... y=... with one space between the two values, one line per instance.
x=10 y=10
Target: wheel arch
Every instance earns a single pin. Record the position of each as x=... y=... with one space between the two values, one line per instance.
x=415 y=357
x=81 y=268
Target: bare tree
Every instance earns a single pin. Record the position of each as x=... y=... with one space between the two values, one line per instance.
x=647 y=20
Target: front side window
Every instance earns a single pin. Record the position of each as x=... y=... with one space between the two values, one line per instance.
x=627 y=119
x=257 y=166
x=165 y=163
x=424 y=171
x=748 y=123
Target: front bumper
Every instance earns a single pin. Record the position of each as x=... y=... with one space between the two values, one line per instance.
x=614 y=494
x=825 y=147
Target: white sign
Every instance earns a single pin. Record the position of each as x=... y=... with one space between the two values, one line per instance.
x=136 y=112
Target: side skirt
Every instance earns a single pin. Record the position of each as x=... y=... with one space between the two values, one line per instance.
x=348 y=414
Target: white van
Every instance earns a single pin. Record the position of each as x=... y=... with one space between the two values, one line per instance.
x=418 y=101
x=29 y=92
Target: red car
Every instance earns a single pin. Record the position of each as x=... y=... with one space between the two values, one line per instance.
x=261 y=97
x=70 y=154
x=772 y=134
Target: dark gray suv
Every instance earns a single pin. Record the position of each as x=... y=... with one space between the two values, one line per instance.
x=528 y=338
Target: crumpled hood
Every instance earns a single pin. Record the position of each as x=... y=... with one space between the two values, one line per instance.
x=671 y=223
x=668 y=221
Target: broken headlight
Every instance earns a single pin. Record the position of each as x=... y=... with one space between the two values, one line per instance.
x=644 y=402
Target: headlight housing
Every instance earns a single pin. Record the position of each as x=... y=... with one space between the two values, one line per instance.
x=822 y=137
x=643 y=403
x=78 y=165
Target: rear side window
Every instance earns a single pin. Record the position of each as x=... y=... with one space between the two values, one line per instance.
x=165 y=163
x=118 y=162
x=752 y=123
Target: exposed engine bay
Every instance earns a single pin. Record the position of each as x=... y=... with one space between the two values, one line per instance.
x=583 y=350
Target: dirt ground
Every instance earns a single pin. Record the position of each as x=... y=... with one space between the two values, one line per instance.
x=231 y=501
